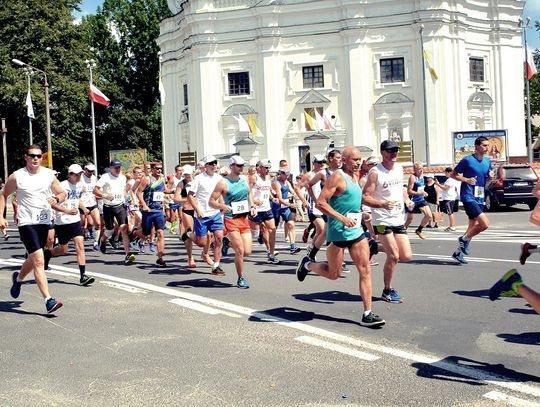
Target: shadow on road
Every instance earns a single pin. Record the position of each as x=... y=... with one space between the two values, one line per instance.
x=474 y=293
x=524 y=338
x=294 y=315
x=435 y=262
x=468 y=371
x=13 y=306
x=200 y=283
x=331 y=297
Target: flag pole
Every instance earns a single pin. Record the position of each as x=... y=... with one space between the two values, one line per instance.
x=424 y=88
x=29 y=118
x=527 y=93
x=90 y=64
x=162 y=103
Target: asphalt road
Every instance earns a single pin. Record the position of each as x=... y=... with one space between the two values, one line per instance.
x=143 y=335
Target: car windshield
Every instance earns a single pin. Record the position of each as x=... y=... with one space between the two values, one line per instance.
x=525 y=173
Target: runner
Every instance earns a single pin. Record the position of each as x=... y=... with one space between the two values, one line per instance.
x=151 y=193
x=236 y=204
x=67 y=224
x=207 y=219
x=528 y=248
x=88 y=198
x=449 y=199
x=261 y=188
x=37 y=188
x=385 y=194
x=314 y=181
x=340 y=200
x=473 y=172
x=284 y=191
x=113 y=188
x=415 y=188
x=187 y=213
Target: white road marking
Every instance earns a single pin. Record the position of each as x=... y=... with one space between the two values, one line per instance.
x=123 y=287
x=196 y=306
x=337 y=348
x=514 y=401
x=468 y=371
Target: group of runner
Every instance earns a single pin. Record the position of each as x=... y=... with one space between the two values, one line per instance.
x=352 y=203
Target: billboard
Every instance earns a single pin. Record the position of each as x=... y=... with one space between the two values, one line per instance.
x=129 y=158
x=463 y=144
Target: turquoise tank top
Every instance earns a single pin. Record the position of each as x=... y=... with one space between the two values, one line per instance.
x=237 y=191
x=349 y=201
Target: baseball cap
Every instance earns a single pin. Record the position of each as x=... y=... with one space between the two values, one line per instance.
x=430 y=175
x=389 y=145
x=116 y=163
x=188 y=169
x=236 y=159
x=75 y=169
x=90 y=167
x=319 y=158
x=285 y=170
x=208 y=159
x=264 y=163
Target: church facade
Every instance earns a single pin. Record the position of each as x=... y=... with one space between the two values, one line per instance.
x=285 y=79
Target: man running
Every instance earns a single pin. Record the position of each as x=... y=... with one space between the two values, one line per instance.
x=284 y=193
x=385 y=194
x=207 y=219
x=314 y=181
x=473 y=172
x=36 y=188
x=187 y=212
x=340 y=200
x=67 y=223
x=415 y=188
x=112 y=188
x=89 y=201
x=237 y=204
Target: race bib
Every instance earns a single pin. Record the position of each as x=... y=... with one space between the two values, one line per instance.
x=118 y=197
x=41 y=216
x=421 y=190
x=357 y=217
x=71 y=203
x=158 y=196
x=397 y=209
x=478 y=192
x=265 y=196
x=240 y=207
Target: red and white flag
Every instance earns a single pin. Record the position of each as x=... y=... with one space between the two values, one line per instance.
x=530 y=66
x=98 y=97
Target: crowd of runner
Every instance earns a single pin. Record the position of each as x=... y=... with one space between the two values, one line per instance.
x=361 y=205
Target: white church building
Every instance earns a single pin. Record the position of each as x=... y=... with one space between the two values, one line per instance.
x=283 y=79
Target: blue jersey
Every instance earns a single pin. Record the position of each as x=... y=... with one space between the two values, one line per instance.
x=419 y=185
x=153 y=194
x=470 y=167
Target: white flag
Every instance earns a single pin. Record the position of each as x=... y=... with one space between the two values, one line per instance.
x=243 y=125
x=29 y=107
x=161 y=91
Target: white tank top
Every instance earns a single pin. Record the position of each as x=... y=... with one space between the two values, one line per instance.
x=88 y=198
x=316 y=188
x=389 y=188
x=261 y=191
x=32 y=193
x=73 y=196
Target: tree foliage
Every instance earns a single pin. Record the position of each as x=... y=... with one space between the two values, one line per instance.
x=42 y=33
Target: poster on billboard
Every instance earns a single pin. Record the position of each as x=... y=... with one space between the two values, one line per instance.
x=129 y=158
x=463 y=142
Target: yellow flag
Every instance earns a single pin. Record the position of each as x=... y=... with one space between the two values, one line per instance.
x=432 y=70
x=252 y=125
x=312 y=123
x=47 y=160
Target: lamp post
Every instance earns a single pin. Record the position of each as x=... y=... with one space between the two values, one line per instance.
x=524 y=25
x=424 y=89
x=47 y=112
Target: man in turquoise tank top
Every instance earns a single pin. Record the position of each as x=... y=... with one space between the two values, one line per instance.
x=341 y=200
x=236 y=205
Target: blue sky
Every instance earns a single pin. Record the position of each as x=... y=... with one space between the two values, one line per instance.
x=532 y=9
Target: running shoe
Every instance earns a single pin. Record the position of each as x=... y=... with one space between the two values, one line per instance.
x=6 y=237
x=96 y=247
x=525 y=253
x=52 y=305
x=218 y=271
x=507 y=286
x=450 y=229
x=133 y=246
x=420 y=234
x=142 y=248
x=225 y=247
x=161 y=262
x=372 y=320
x=391 y=295
x=242 y=283
x=130 y=258
x=85 y=280
x=113 y=243
x=260 y=239
x=305 y=235
x=15 y=290
x=344 y=268
x=459 y=257
x=152 y=247
x=373 y=262
x=301 y=270
x=464 y=245
x=294 y=249
x=103 y=247
x=272 y=259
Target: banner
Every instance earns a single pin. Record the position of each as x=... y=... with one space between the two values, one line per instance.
x=129 y=158
x=463 y=143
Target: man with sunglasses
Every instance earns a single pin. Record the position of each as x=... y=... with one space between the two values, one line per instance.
x=207 y=219
x=473 y=171
x=151 y=194
x=88 y=198
x=384 y=193
x=232 y=195
x=37 y=188
x=284 y=191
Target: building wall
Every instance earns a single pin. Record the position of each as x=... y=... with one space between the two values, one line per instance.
x=206 y=40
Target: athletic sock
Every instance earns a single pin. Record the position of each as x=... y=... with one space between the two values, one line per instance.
x=419 y=228
x=466 y=238
x=367 y=312
x=82 y=269
x=313 y=252
x=534 y=248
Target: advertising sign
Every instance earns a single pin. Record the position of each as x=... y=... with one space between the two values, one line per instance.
x=463 y=143
x=129 y=158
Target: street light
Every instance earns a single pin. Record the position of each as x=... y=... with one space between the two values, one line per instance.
x=524 y=25
x=47 y=112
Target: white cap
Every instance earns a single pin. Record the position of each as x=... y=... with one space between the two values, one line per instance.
x=430 y=175
x=236 y=159
x=319 y=158
x=264 y=163
x=188 y=169
x=209 y=159
x=75 y=169
x=90 y=167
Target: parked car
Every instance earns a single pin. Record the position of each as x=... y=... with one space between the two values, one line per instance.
x=513 y=184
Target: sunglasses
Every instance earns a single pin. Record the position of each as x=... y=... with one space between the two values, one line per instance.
x=392 y=150
x=34 y=155
x=484 y=145
x=240 y=165
x=212 y=163
x=159 y=168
